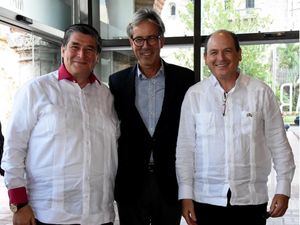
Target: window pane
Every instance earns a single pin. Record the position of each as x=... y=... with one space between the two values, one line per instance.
x=178 y=17
x=22 y=57
x=83 y=8
x=116 y=14
x=179 y=55
x=114 y=17
x=116 y=60
x=56 y=13
x=113 y=61
x=260 y=16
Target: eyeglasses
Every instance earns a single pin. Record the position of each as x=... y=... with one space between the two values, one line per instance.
x=151 y=40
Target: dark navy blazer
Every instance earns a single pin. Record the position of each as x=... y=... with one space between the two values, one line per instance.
x=135 y=143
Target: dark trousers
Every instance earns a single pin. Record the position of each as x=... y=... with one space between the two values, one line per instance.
x=149 y=208
x=207 y=214
x=40 y=223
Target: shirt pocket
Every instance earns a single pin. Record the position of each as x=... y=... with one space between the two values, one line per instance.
x=54 y=118
x=205 y=124
x=98 y=120
x=249 y=121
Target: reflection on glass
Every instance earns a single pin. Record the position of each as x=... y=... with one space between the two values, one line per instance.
x=113 y=61
x=178 y=16
x=56 y=13
x=275 y=64
x=116 y=14
x=182 y=56
x=83 y=7
x=250 y=16
x=22 y=57
x=114 y=18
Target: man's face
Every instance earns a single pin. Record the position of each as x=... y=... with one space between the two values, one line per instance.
x=148 y=55
x=222 y=58
x=80 y=55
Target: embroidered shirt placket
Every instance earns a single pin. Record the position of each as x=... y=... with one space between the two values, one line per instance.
x=87 y=150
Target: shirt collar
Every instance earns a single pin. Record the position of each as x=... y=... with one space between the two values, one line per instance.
x=216 y=83
x=141 y=76
x=63 y=73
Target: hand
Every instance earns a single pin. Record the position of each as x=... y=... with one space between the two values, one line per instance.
x=24 y=216
x=188 y=211
x=279 y=205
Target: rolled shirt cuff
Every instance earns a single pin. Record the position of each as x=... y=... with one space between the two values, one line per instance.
x=17 y=195
x=185 y=192
x=283 y=187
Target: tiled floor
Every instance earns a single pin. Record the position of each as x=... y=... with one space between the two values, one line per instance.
x=291 y=217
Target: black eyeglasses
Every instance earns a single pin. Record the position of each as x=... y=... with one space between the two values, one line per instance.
x=151 y=40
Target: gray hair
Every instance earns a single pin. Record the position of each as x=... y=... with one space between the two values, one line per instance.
x=146 y=14
x=85 y=29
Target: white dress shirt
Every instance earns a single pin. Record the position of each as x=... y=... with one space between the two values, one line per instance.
x=216 y=152
x=61 y=145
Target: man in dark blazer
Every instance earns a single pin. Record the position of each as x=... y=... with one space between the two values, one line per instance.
x=148 y=99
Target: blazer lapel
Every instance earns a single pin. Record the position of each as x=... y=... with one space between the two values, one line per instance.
x=167 y=96
x=131 y=86
x=131 y=97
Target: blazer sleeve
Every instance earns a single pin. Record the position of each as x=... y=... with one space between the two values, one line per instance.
x=1 y=150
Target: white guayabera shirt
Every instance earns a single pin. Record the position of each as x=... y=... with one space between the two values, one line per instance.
x=61 y=145
x=229 y=141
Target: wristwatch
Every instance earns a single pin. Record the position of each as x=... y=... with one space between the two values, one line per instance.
x=15 y=207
